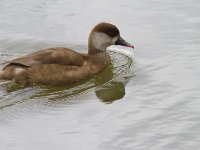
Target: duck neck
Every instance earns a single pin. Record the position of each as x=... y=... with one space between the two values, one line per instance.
x=101 y=59
x=93 y=50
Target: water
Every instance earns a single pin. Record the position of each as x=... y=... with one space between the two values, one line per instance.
x=155 y=108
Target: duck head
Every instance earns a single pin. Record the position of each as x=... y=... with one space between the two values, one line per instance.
x=104 y=35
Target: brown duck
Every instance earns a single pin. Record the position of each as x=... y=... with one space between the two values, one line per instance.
x=56 y=66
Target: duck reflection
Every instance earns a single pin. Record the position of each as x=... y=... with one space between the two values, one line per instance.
x=111 y=92
x=106 y=88
x=104 y=85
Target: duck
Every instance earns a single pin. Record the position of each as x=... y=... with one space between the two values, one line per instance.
x=60 y=65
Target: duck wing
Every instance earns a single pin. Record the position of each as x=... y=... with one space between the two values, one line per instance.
x=63 y=56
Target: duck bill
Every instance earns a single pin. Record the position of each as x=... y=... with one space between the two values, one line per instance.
x=122 y=42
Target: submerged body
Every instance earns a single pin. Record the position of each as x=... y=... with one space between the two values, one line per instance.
x=56 y=66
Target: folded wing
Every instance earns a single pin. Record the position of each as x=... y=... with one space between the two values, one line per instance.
x=63 y=56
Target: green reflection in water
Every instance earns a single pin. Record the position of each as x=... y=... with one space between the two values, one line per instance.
x=108 y=86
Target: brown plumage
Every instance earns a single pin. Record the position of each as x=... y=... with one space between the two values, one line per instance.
x=56 y=66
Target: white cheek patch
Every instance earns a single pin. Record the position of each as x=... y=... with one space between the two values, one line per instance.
x=18 y=71
x=101 y=41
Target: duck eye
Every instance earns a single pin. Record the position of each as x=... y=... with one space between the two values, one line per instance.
x=110 y=33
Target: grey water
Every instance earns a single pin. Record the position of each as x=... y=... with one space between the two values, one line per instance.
x=154 y=106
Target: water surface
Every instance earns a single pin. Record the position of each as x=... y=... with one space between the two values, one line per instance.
x=155 y=107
